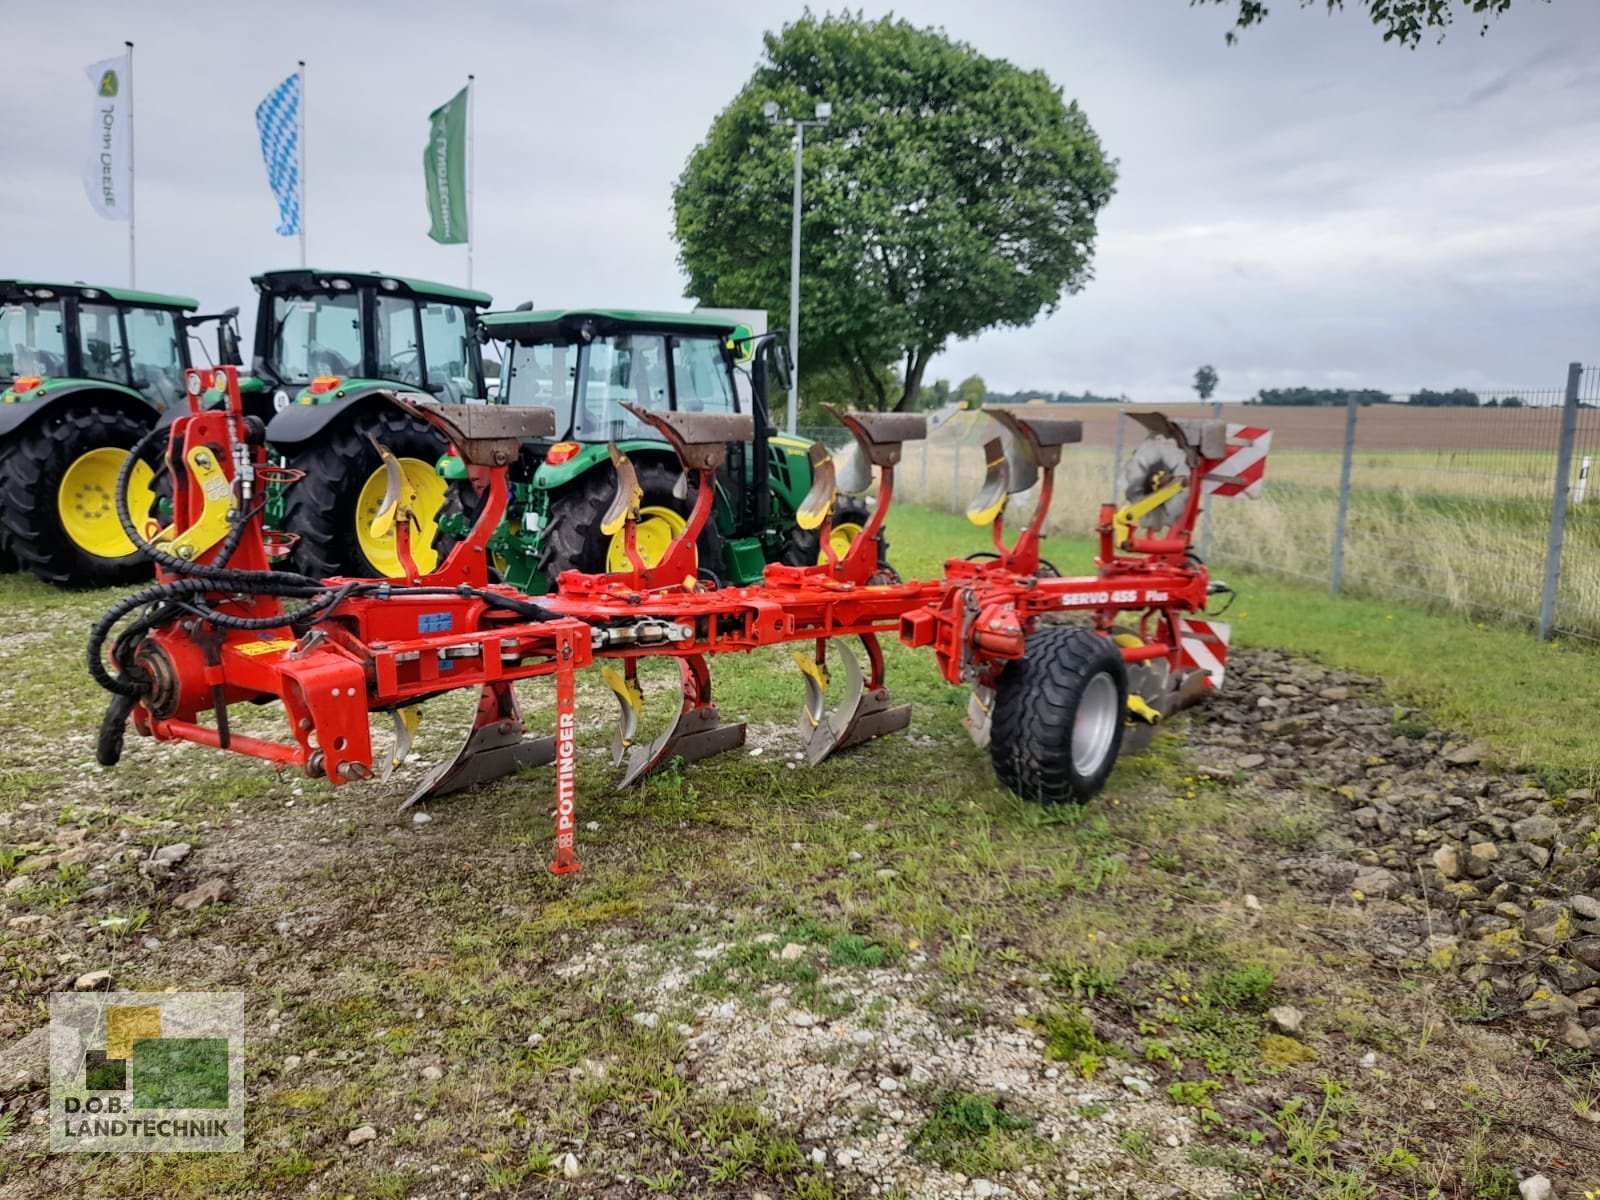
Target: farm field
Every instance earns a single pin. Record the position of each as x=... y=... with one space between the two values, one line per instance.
x=881 y=977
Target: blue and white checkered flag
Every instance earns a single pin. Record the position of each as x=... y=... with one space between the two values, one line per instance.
x=278 y=119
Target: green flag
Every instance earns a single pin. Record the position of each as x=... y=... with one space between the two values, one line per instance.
x=444 y=167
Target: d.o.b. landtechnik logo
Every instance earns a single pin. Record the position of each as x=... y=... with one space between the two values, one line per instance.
x=147 y=1071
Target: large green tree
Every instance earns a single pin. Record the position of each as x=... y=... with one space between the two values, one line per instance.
x=1205 y=381
x=950 y=193
x=972 y=391
x=1403 y=21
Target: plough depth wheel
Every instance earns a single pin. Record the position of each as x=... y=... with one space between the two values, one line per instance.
x=1058 y=716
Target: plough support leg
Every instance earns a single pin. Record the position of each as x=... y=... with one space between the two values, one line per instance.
x=566 y=760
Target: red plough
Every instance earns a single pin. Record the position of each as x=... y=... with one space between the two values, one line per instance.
x=1054 y=702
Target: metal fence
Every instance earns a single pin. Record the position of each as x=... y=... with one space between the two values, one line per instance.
x=1492 y=510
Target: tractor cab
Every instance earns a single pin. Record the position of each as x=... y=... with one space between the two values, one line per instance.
x=344 y=329
x=328 y=347
x=85 y=373
x=70 y=332
x=587 y=365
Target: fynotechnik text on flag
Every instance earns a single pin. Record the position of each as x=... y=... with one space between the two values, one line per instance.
x=278 y=122
x=107 y=171
x=444 y=168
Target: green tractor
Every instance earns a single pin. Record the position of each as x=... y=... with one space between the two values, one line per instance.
x=91 y=371
x=327 y=345
x=586 y=364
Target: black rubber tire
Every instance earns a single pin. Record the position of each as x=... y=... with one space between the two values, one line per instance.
x=574 y=540
x=321 y=508
x=803 y=547
x=1035 y=707
x=33 y=461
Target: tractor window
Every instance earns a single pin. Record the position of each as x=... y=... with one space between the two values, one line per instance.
x=321 y=336
x=157 y=367
x=700 y=376
x=629 y=368
x=397 y=341
x=105 y=356
x=541 y=375
x=31 y=340
x=448 y=349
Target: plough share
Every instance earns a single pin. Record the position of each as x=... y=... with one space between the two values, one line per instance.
x=1053 y=701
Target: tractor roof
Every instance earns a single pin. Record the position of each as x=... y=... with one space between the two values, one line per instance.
x=311 y=279
x=563 y=324
x=27 y=289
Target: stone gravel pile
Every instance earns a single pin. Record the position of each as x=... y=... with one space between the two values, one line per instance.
x=1461 y=865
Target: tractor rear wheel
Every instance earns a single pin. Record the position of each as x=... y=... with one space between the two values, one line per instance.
x=576 y=543
x=1058 y=716
x=332 y=508
x=58 y=511
x=803 y=548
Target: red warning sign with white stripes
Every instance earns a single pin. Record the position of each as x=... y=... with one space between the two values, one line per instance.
x=1241 y=472
x=1204 y=644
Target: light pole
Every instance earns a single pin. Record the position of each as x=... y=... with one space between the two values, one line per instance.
x=798 y=124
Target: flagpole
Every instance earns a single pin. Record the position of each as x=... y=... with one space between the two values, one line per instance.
x=132 y=260
x=300 y=147
x=472 y=222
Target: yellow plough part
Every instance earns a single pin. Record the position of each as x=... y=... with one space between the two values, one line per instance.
x=399 y=498
x=1129 y=516
x=990 y=501
x=213 y=524
x=817 y=681
x=625 y=504
x=630 y=701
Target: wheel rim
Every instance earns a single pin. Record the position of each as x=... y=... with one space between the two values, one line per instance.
x=87 y=502
x=656 y=528
x=1095 y=724
x=841 y=538
x=380 y=552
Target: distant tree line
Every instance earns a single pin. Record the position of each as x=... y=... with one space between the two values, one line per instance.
x=1304 y=397
x=1029 y=395
x=1455 y=398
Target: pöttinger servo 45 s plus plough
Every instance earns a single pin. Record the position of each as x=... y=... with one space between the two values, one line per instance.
x=1054 y=702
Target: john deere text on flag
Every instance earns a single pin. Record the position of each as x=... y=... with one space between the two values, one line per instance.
x=444 y=164
x=108 y=170
x=278 y=120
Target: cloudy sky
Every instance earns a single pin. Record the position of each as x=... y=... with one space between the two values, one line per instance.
x=1309 y=206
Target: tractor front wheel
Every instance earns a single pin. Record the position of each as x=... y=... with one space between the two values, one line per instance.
x=576 y=542
x=58 y=510
x=1058 y=716
x=331 y=510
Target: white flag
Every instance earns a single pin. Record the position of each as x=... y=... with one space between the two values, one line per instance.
x=108 y=174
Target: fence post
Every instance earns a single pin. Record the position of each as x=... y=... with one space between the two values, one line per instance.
x=1116 y=459
x=1336 y=577
x=1205 y=527
x=955 y=479
x=924 y=472
x=1558 y=502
